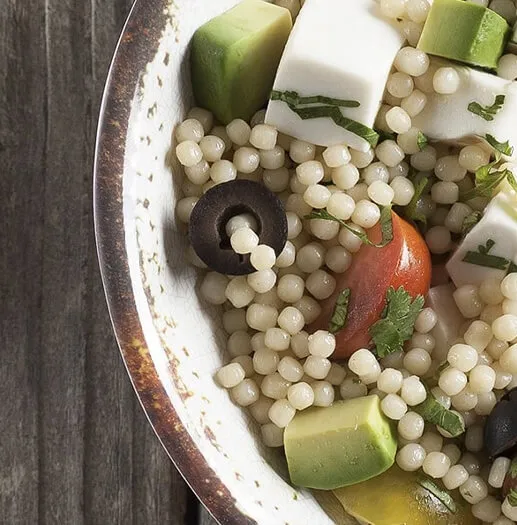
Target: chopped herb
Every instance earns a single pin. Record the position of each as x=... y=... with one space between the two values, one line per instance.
x=483 y=257
x=501 y=147
x=411 y=211
x=386 y=225
x=385 y=135
x=338 y=319
x=442 y=494
x=487 y=181
x=512 y=497
x=470 y=221
x=434 y=412
x=487 y=112
x=421 y=141
x=326 y=107
x=512 y=267
x=397 y=323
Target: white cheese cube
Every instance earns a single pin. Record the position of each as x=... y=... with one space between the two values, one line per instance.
x=340 y=49
x=449 y=322
x=446 y=117
x=498 y=224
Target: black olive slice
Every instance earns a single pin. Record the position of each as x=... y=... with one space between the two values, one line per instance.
x=207 y=227
x=501 y=425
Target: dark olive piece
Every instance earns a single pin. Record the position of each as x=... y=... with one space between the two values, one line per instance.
x=501 y=426
x=207 y=228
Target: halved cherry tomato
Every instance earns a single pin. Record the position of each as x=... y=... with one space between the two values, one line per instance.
x=405 y=261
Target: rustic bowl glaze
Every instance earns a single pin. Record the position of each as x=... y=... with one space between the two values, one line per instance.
x=171 y=342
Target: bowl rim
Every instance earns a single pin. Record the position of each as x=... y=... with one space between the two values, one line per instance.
x=137 y=45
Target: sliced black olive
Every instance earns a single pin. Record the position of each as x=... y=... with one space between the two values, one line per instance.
x=501 y=425
x=207 y=228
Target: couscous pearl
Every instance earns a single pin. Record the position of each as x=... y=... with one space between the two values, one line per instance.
x=453 y=452
x=190 y=130
x=509 y=286
x=487 y=510
x=408 y=141
x=441 y=397
x=503 y=520
x=310 y=257
x=452 y=381
x=233 y=320
x=272 y=436
x=341 y=206
x=338 y=259
x=509 y=307
x=189 y=153
x=281 y=413
x=361 y=362
x=272 y=159
x=400 y=170
x=473 y=157
x=261 y=317
x=448 y=169
x=426 y=321
x=317 y=196
x=436 y=464
x=393 y=8
x=371 y=377
x=320 y=284
x=415 y=103
x=185 y=207
x=498 y=472
x=290 y=369
x=263 y=137
x=265 y=361
x=212 y=147
x=203 y=116
x=366 y=214
x=417 y=10
x=239 y=293
x=394 y=360
x=301 y=396
x=403 y=191
x=425 y=341
x=277 y=339
x=412 y=31
x=245 y=393
x=287 y=256
x=438 y=239
x=263 y=257
x=349 y=240
x=411 y=426
x=220 y=131
x=352 y=388
x=463 y=357
x=417 y=361
x=336 y=374
x=300 y=344
x=456 y=476
x=502 y=377
x=213 y=288
x=230 y=375
x=478 y=335
x=398 y=120
x=262 y=281
x=336 y=156
x=323 y=229
x=393 y=407
x=424 y=160
x=246 y=160
x=505 y=327
x=296 y=185
x=309 y=307
x=322 y=343
x=468 y=301
x=505 y=8
x=345 y=177
x=412 y=61
x=276 y=180
x=245 y=220
x=508 y=360
x=411 y=457
x=445 y=192
x=471 y=463
x=247 y=364
x=509 y=510
x=474 y=490
x=446 y=81
x=497 y=348
x=359 y=191
x=239 y=132
x=376 y=172
x=389 y=153
x=316 y=367
x=259 y=410
x=291 y=320
x=381 y=193
x=198 y=174
x=432 y=442
x=456 y=216
x=301 y=151
x=413 y=392
x=507 y=67
x=270 y=298
x=400 y=85
x=481 y=379
x=390 y=381
x=323 y=393
x=275 y=386
x=474 y=438
x=244 y=240
x=310 y=172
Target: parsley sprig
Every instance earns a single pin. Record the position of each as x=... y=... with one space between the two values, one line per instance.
x=487 y=112
x=411 y=212
x=421 y=141
x=339 y=316
x=397 y=323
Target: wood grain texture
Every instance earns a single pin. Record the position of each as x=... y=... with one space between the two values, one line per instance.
x=76 y=446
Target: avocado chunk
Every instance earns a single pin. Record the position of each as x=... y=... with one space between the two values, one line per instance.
x=234 y=58
x=346 y=443
x=465 y=32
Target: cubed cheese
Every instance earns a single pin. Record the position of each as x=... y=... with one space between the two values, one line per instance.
x=340 y=49
x=446 y=117
x=498 y=224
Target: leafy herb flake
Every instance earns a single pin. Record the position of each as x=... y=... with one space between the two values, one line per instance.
x=470 y=221
x=512 y=497
x=386 y=226
x=320 y=107
x=411 y=211
x=421 y=141
x=483 y=257
x=398 y=321
x=338 y=319
x=442 y=494
x=434 y=412
x=501 y=147
x=487 y=181
x=487 y=112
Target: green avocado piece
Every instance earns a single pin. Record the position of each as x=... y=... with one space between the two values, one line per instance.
x=346 y=443
x=235 y=56
x=465 y=32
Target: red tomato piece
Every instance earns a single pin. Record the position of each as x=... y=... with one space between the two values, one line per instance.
x=405 y=261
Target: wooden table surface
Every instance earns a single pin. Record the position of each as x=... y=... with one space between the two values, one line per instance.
x=75 y=446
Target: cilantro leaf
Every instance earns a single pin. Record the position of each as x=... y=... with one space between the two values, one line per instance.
x=487 y=181
x=487 y=112
x=411 y=211
x=438 y=492
x=470 y=221
x=338 y=319
x=434 y=412
x=501 y=147
x=421 y=141
x=397 y=325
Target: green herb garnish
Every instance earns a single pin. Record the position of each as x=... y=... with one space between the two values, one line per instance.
x=501 y=147
x=434 y=412
x=442 y=494
x=320 y=107
x=512 y=267
x=421 y=141
x=487 y=112
x=385 y=135
x=398 y=321
x=470 y=221
x=512 y=497
x=483 y=257
x=386 y=226
x=338 y=319
x=410 y=211
x=487 y=181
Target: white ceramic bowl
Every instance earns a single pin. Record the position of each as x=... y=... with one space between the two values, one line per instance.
x=171 y=341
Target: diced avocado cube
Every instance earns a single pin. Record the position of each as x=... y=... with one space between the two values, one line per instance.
x=234 y=58
x=346 y=443
x=465 y=32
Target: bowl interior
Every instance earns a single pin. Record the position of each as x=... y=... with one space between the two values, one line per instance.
x=180 y=340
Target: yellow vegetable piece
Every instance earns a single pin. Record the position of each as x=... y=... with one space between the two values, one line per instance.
x=396 y=498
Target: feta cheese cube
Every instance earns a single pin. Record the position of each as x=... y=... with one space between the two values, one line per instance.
x=498 y=224
x=340 y=49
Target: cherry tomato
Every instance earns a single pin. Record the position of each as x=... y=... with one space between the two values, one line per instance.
x=405 y=261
